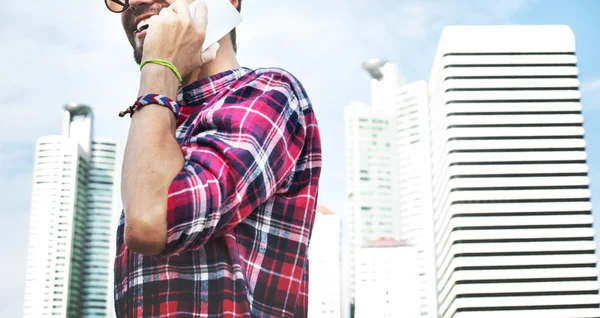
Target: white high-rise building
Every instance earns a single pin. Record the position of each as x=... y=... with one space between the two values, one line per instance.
x=324 y=298
x=71 y=227
x=369 y=183
x=408 y=104
x=414 y=186
x=101 y=226
x=387 y=279
x=512 y=211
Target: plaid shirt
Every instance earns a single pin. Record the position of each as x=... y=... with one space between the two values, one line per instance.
x=240 y=212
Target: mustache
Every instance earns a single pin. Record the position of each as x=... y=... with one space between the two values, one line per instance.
x=142 y=10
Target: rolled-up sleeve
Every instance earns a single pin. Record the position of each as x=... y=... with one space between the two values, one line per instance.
x=241 y=153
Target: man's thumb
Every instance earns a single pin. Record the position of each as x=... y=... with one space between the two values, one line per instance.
x=211 y=53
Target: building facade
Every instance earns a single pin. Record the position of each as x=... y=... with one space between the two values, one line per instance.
x=67 y=229
x=386 y=281
x=324 y=298
x=413 y=186
x=369 y=184
x=100 y=230
x=511 y=198
x=413 y=218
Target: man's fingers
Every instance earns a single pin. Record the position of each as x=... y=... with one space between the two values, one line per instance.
x=211 y=53
x=201 y=15
x=168 y=15
x=182 y=8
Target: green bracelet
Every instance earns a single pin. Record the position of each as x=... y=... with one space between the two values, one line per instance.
x=163 y=63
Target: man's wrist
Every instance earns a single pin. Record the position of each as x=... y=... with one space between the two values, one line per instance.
x=158 y=79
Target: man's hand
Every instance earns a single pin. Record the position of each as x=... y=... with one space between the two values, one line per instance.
x=175 y=36
x=152 y=156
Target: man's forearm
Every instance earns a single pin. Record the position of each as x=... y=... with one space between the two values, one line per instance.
x=152 y=160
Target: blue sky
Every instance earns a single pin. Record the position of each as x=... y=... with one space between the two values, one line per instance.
x=80 y=54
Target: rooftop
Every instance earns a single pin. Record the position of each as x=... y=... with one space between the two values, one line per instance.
x=386 y=242
x=324 y=210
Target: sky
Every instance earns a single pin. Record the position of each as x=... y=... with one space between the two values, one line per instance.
x=77 y=51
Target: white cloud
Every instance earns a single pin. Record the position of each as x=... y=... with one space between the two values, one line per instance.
x=590 y=95
x=590 y=86
x=15 y=169
x=77 y=52
x=61 y=54
x=323 y=43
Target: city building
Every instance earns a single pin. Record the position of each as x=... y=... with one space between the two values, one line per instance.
x=101 y=227
x=412 y=210
x=386 y=280
x=324 y=298
x=413 y=185
x=72 y=222
x=511 y=198
x=369 y=185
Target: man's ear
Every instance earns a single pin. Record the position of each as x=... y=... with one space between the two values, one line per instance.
x=235 y=3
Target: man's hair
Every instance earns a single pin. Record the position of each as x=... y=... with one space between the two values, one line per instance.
x=233 y=35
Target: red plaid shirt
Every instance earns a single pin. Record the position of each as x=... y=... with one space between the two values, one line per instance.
x=240 y=212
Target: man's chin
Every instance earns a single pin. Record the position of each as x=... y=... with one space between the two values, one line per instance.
x=137 y=56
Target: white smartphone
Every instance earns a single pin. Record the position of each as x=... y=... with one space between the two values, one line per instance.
x=222 y=18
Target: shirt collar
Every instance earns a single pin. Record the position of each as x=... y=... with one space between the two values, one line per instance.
x=201 y=91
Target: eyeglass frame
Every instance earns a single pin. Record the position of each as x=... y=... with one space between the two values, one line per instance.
x=125 y=5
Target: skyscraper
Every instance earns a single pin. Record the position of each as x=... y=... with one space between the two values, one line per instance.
x=324 y=298
x=408 y=105
x=513 y=223
x=413 y=171
x=387 y=163
x=369 y=183
x=71 y=222
x=100 y=230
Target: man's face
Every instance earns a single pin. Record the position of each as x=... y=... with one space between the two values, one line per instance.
x=135 y=22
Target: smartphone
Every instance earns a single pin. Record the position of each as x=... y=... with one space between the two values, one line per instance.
x=222 y=18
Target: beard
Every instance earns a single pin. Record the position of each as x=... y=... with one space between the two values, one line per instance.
x=137 y=54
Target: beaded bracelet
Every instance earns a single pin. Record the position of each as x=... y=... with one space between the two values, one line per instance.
x=152 y=99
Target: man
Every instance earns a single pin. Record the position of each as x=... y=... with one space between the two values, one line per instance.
x=220 y=177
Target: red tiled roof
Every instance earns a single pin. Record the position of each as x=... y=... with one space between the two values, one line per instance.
x=386 y=242
x=323 y=210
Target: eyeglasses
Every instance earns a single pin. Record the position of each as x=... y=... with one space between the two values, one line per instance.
x=117 y=6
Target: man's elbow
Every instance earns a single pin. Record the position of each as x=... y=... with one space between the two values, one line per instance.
x=145 y=237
